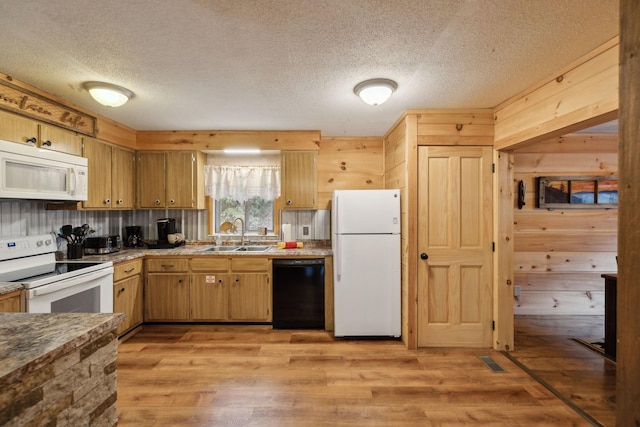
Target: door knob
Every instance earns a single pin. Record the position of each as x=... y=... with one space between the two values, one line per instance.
x=424 y=256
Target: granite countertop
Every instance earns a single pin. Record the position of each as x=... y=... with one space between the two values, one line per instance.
x=30 y=341
x=191 y=249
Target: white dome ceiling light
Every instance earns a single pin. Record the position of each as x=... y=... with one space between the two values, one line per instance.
x=108 y=94
x=375 y=91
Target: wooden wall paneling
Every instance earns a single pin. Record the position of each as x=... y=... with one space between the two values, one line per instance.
x=455 y=127
x=551 y=241
x=568 y=163
x=554 y=221
x=584 y=93
x=602 y=262
x=218 y=139
x=552 y=281
x=349 y=163
x=565 y=303
x=574 y=143
x=628 y=362
x=503 y=336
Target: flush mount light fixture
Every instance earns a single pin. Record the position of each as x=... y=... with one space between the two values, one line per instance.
x=375 y=91
x=108 y=94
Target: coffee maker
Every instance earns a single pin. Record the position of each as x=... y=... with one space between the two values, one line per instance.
x=166 y=226
x=133 y=236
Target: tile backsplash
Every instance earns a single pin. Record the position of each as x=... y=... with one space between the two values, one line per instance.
x=21 y=218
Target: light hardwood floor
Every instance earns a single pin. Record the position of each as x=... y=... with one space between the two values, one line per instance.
x=585 y=378
x=208 y=375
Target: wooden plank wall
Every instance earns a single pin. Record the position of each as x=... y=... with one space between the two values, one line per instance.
x=395 y=176
x=559 y=255
x=349 y=164
x=582 y=94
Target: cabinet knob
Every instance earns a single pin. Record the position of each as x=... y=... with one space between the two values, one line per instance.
x=156 y=201
x=121 y=290
x=120 y=201
x=289 y=201
x=424 y=256
x=32 y=140
x=172 y=202
x=46 y=143
x=107 y=201
x=180 y=281
x=237 y=280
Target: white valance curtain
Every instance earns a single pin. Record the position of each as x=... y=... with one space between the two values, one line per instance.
x=241 y=183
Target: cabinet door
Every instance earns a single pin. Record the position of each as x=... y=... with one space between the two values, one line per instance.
x=99 y=156
x=10 y=303
x=250 y=297
x=127 y=299
x=299 y=179
x=17 y=128
x=209 y=296
x=122 y=178
x=180 y=180
x=58 y=139
x=167 y=297
x=150 y=180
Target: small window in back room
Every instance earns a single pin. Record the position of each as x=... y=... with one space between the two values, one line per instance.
x=243 y=187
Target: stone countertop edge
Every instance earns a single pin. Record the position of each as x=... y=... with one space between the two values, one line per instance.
x=29 y=341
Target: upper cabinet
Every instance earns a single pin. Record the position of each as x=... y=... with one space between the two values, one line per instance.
x=111 y=175
x=299 y=179
x=172 y=179
x=21 y=129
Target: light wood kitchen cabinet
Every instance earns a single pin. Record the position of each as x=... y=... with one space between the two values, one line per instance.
x=167 y=289
x=16 y=128
x=299 y=179
x=111 y=175
x=11 y=302
x=209 y=289
x=173 y=179
x=127 y=294
x=250 y=296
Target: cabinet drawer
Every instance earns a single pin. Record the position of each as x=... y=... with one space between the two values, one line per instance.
x=126 y=269
x=167 y=264
x=210 y=264
x=249 y=263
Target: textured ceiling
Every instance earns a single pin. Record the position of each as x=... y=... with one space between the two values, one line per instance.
x=292 y=64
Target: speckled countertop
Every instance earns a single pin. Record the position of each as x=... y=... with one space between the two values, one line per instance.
x=30 y=341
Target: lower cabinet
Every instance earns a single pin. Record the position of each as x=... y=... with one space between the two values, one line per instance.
x=11 y=302
x=216 y=289
x=127 y=294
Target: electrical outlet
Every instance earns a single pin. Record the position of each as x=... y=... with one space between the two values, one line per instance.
x=516 y=291
x=305 y=230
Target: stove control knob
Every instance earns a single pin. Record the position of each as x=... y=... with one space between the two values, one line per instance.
x=48 y=242
x=39 y=243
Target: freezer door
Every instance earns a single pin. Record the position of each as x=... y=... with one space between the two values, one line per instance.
x=367 y=285
x=365 y=211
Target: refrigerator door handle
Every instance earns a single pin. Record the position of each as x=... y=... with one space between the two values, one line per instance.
x=337 y=259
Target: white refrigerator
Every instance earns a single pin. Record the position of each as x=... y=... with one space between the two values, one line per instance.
x=365 y=239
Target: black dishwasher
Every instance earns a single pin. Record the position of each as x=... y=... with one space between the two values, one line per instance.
x=298 y=293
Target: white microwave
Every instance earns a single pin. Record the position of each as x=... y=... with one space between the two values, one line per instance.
x=29 y=172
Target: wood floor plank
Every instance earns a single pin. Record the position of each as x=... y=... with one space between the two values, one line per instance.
x=212 y=375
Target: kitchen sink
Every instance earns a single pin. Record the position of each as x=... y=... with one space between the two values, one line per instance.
x=219 y=249
x=256 y=248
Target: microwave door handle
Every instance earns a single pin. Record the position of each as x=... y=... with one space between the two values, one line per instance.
x=73 y=184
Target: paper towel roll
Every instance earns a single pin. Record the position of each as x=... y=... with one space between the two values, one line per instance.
x=286 y=232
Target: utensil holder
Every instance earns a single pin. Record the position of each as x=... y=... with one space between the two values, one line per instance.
x=74 y=250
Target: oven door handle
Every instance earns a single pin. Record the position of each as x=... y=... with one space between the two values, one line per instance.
x=74 y=281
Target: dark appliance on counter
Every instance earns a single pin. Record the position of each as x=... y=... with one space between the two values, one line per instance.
x=133 y=236
x=298 y=293
x=166 y=226
x=102 y=244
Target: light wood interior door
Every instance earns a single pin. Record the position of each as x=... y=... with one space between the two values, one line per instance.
x=455 y=246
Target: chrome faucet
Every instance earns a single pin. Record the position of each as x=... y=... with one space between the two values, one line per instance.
x=242 y=224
